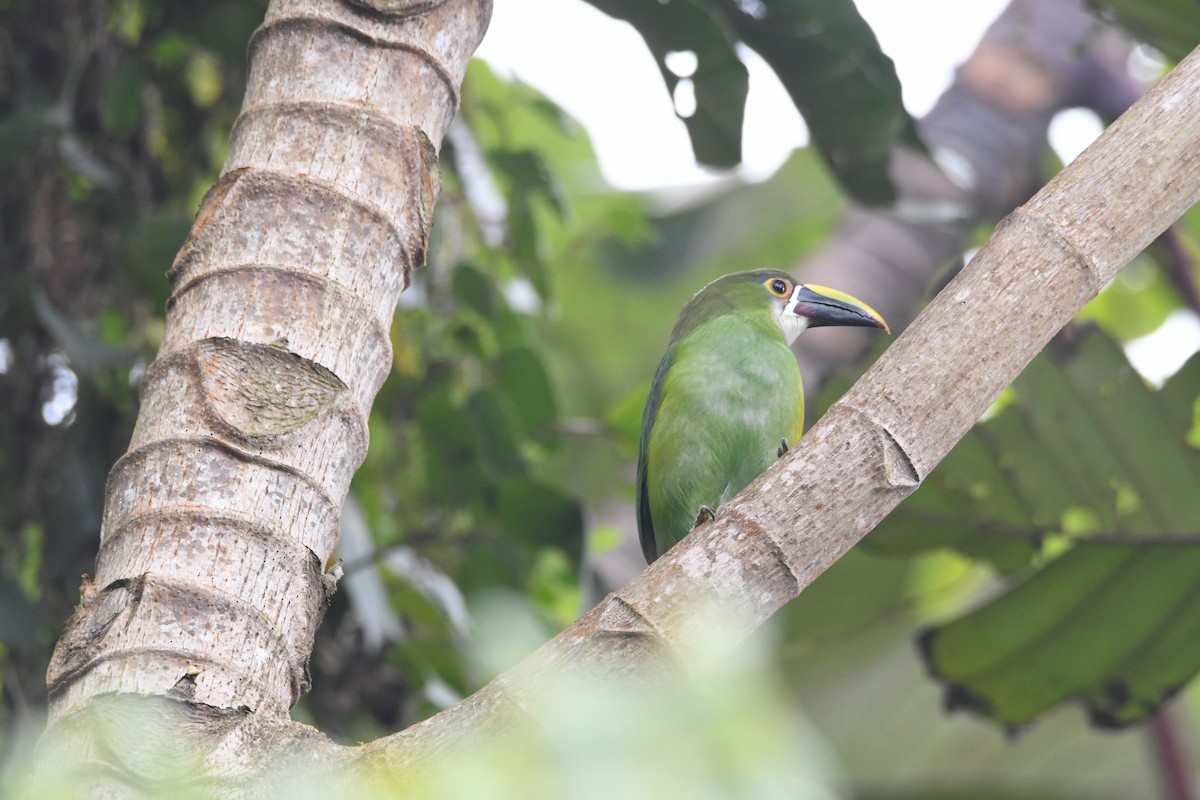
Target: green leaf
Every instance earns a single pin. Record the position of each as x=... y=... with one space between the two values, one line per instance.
x=1134 y=303
x=534 y=513
x=203 y=77
x=122 y=108
x=528 y=176
x=841 y=81
x=474 y=289
x=824 y=53
x=527 y=179
x=520 y=375
x=1090 y=468
x=492 y=426
x=553 y=587
x=151 y=247
x=1172 y=26
x=453 y=473
x=854 y=592
x=1115 y=626
x=625 y=416
x=720 y=79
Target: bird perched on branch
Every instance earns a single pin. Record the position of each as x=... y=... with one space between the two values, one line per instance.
x=727 y=397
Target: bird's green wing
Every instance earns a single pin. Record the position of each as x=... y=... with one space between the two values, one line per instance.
x=644 y=520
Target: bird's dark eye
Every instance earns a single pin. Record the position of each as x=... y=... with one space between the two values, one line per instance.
x=779 y=287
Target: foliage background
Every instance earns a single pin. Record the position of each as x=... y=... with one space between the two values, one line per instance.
x=497 y=490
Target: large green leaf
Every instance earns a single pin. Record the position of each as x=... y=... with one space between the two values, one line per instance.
x=824 y=53
x=844 y=85
x=1114 y=625
x=1084 y=484
x=720 y=79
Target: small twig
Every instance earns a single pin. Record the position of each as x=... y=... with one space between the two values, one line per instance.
x=1179 y=267
x=1176 y=772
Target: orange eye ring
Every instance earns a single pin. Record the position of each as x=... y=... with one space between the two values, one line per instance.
x=780 y=287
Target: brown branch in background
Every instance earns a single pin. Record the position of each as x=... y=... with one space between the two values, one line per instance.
x=1180 y=267
x=1168 y=749
x=988 y=132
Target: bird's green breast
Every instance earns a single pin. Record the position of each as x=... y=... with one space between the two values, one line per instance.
x=728 y=391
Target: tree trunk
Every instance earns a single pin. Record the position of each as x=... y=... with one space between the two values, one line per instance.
x=220 y=520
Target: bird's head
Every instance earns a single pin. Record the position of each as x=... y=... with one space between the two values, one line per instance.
x=794 y=306
x=801 y=306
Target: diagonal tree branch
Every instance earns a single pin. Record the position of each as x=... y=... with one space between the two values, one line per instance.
x=872 y=449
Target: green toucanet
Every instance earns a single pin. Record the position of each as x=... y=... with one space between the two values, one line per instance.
x=727 y=396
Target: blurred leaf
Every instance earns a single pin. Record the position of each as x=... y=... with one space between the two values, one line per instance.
x=492 y=427
x=855 y=591
x=624 y=418
x=453 y=472
x=527 y=239
x=604 y=538
x=553 y=586
x=527 y=175
x=1134 y=303
x=33 y=543
x=535 y=513
x=720 y=78
x=129 y=18
x=1172 y=26
x=18 y=616
x=719 y=731
x=526 y=179
x=519 y=373
x=1116 y=626
x=1088 y=467
x=122 y=108
x=151 y=247
x=169 y=50
x=474 y=289
x=204 y=79
x=841 y=81
x=471 y=335
x=113 y=327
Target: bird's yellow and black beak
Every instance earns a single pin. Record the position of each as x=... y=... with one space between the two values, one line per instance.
x=822 y=306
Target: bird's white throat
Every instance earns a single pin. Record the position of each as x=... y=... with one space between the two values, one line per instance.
x=791 y=323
